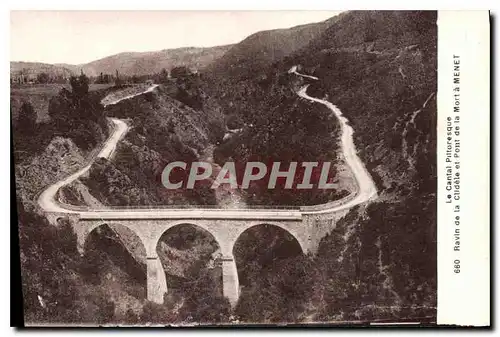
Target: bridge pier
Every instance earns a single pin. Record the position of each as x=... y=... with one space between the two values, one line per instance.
x=157 y=284
x=230 y=283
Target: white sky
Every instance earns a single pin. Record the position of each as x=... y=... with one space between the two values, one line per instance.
x=82 y=36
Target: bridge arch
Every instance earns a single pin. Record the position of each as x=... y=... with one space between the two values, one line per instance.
x=302 y=241
x=129 y=236
x=192 y=239
x=84 y=229
x=177 y=224
x=251 y=258
x=215 y=232
x=121 y=245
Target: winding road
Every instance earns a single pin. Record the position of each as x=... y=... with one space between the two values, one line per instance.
x=366 y=188
x=293 y=70
x=47 y=199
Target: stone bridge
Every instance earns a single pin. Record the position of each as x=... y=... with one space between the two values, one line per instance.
x=225 y=226
x=307 y=224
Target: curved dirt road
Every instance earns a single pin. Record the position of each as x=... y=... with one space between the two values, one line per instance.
x=47 y=199
x=366 y=187
x=293 y=70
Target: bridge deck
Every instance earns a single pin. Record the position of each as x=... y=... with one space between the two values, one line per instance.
x=252 y=214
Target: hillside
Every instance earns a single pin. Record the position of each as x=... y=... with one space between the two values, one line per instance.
x=154 y=62
x=263 y=48
x=38 y=67
x=31 y=69
x=374 y=30
x=128 y=63
x=163 y=130
x=379 y=68
x=108 y=283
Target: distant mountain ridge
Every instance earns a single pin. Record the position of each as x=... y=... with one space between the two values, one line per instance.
x=142 y=63
x=257 y=50
x=128 y=63
x=31 y=69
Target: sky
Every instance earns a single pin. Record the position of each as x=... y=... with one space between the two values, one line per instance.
x=77 y=37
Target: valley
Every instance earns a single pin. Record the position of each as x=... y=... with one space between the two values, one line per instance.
x=357 y=90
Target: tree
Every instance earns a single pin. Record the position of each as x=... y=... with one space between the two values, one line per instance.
x=180 y=72
x=59 y=79
x=27 y=117
x=43 y=78
x=282 y=294
x=131 y=317
x=101 y=78
x=80 y=85
x=105 y=311
x=48 y=257
x=164 y=76
x=157 y=313
x=107 y=78
x=118 y=81
x=203 y=301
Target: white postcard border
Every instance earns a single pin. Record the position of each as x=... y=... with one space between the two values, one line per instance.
x=463 y=164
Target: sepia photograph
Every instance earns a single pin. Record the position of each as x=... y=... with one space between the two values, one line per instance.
x=227 y=168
